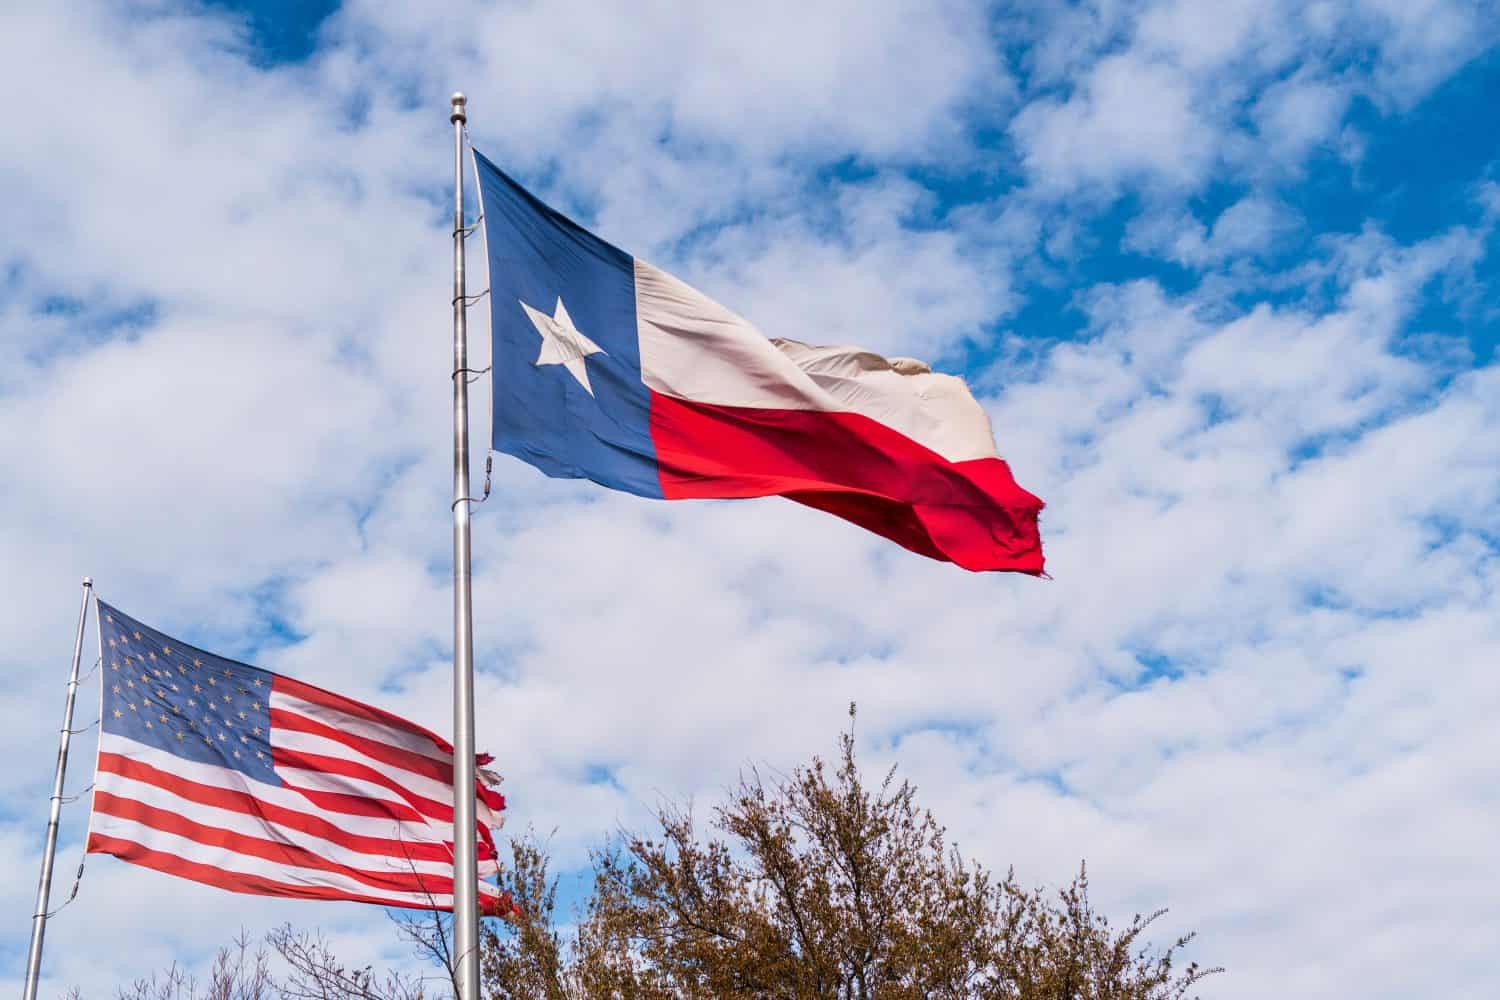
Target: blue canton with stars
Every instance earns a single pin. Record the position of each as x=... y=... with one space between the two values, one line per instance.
x=174 y=697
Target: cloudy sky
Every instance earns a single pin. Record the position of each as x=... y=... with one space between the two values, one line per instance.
x=1224 y=275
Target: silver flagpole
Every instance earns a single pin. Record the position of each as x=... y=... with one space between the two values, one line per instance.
x=44 y=886
x=465 y=857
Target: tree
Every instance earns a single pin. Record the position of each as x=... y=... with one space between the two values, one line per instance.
x=238 y=973
x=315 y=972
x=810 y=885
x=816 y=885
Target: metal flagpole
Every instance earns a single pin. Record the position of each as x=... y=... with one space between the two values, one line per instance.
x=44 y=886
x=465 y=857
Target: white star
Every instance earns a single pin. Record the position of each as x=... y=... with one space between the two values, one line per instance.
x=562 y=342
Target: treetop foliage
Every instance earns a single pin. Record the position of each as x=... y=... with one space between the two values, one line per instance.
x=805 y=886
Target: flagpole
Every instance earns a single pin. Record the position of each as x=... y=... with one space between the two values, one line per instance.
x=44 y=886
x=465 y=857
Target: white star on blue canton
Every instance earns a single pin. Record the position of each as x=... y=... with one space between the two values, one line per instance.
x=562 y=342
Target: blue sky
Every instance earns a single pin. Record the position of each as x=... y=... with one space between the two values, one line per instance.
x=1415 y=175
x=281 y=31
x=1223 y=277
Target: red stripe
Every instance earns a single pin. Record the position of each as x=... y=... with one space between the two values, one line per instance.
x=971 y=513
x=489 y=796
x=357 y=805
x=322 y=763
x=358 y=709
x=385 y=753
x=171 y=864
x=276 y=852
x=397 y=756
x=249 y=805
x=366 y=805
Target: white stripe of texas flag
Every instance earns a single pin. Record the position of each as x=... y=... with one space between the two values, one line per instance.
x=692 y=348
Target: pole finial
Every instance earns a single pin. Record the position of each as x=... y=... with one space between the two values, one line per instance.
x=88 y=581
x=458 y=114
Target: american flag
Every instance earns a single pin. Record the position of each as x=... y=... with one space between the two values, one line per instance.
x=250 y=781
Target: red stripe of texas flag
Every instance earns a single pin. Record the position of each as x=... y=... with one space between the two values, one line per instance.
x=972 y=513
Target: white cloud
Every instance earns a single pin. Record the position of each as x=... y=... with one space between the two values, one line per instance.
x=1251 y=226
x=1160 y=92
x=1201 y=38
x=1131 y=120
x=1295 y=115
x=1421 y=42
x=765 y=80
x=868 y=268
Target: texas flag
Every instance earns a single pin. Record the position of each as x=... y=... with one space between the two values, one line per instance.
x=609 y=369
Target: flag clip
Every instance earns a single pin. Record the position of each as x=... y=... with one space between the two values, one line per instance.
x=469 y=300
x=489 y=465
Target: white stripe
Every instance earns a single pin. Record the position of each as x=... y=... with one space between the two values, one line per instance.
x=251 y=826
x=342 y=784
x=418 y=784
x=293 y=739
x=430 y=831
x=241 y=864
x=360 y=726
x=380 y=734
x=695 y=349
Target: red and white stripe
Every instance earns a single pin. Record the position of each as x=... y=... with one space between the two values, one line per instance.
x=363 y=809
x=887 y=443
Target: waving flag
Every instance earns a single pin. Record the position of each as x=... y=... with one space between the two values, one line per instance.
x=609 y=369
x=239 y=778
